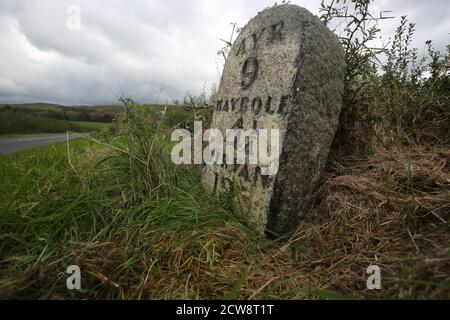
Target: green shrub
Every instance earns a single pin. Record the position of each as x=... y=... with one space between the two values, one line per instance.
x=406 y=94
x=16 y=122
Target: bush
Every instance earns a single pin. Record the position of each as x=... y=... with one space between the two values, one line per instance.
x=406 y=95
x=16 y=122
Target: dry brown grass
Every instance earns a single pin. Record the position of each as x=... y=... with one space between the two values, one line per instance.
x=390 y=208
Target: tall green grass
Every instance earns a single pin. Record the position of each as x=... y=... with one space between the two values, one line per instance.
x=58 y=202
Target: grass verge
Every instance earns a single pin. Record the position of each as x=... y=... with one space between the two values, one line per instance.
x=140 y=227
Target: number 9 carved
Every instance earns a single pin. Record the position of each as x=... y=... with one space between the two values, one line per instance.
x=249 y=73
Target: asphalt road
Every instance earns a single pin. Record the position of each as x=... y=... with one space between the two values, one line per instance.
x=13 y=144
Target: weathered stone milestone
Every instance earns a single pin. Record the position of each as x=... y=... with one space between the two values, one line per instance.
x=285 y=71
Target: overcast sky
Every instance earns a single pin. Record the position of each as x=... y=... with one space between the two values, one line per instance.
x=143 y=46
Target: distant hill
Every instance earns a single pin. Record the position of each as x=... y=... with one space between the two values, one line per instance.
x=97 y=113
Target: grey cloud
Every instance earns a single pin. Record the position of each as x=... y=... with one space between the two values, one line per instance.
x=140 y=45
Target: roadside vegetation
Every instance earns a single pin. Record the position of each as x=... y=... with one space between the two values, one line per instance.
x=141 y=227
x=17 y=123
x=99 y=113
x=49 y=118
x=90 y=126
